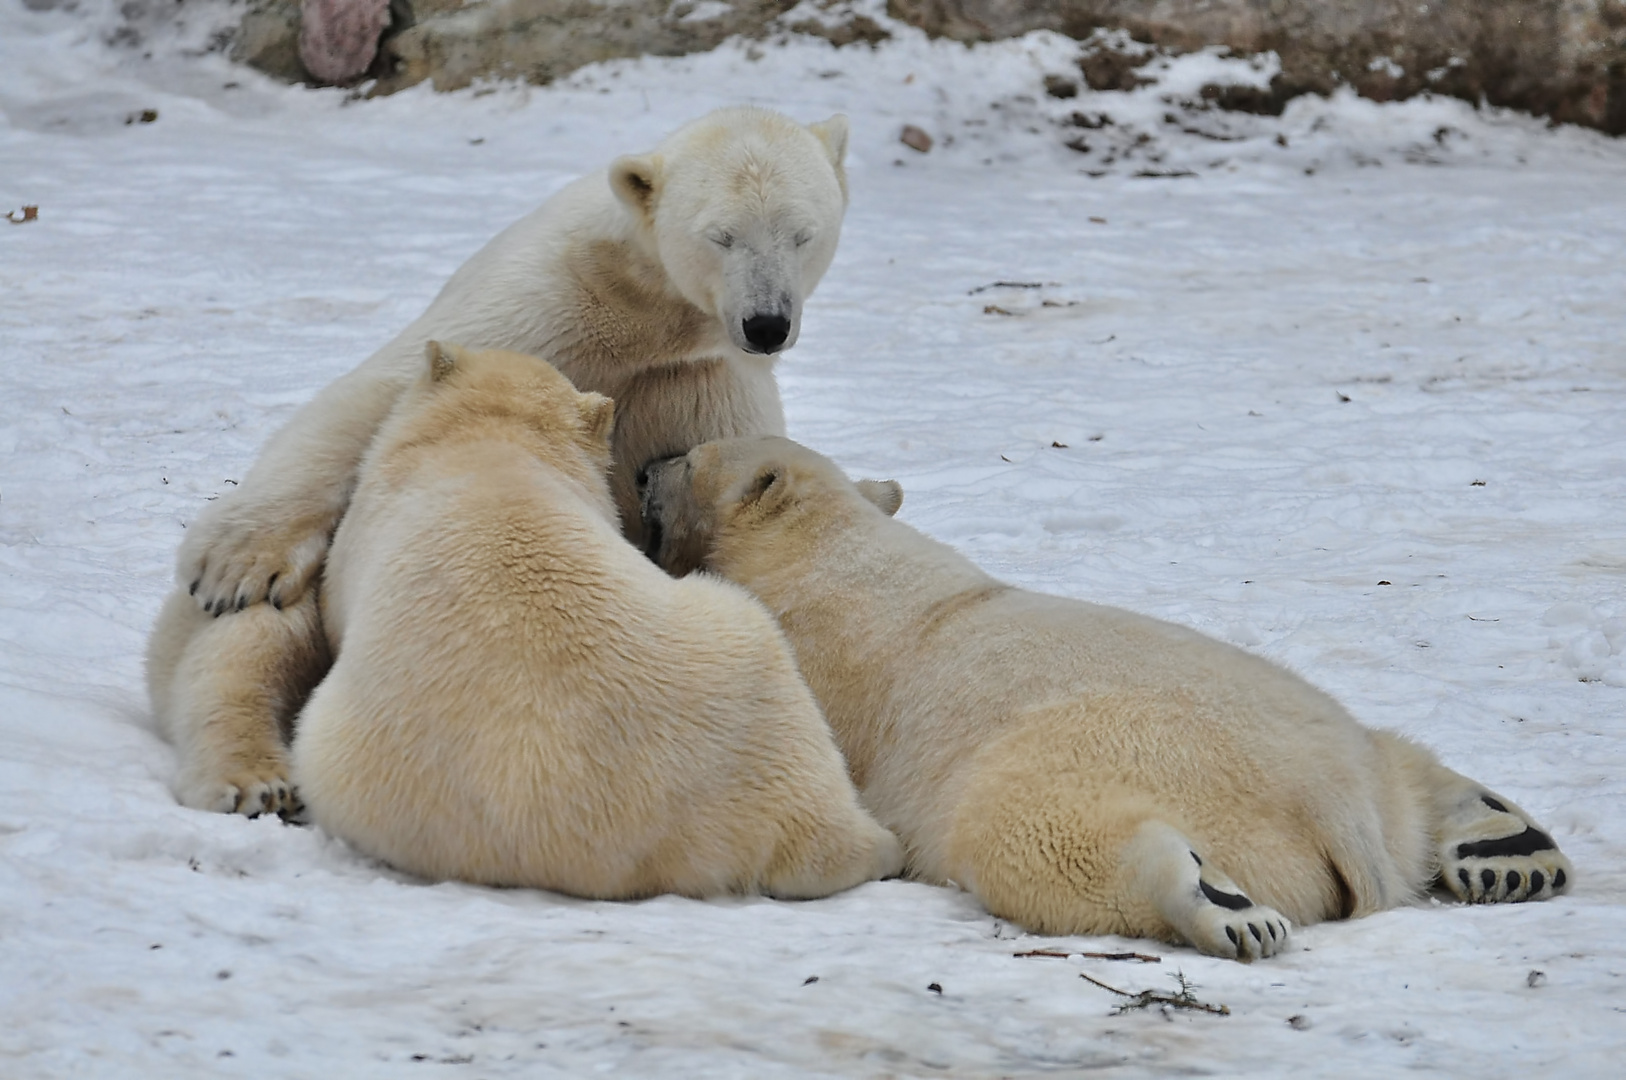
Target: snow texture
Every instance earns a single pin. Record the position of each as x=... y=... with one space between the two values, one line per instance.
x=1344 y=387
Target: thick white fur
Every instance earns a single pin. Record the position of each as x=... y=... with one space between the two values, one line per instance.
x=1082 y=769
x=518 y=697
x=620 y=282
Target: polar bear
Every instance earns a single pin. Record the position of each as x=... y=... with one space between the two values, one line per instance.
x=668 y=282
x=519 y=697
x=1081 y=769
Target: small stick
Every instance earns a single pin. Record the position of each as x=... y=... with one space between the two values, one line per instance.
x=1146 y=998
x=1054 y=954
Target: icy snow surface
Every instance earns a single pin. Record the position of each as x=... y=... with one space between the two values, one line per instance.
x=1356 y=402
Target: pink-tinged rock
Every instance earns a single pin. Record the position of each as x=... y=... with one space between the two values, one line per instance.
x=339 y=38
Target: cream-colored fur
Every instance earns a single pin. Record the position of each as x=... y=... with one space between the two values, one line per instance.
x=1082 y=769
x=623 y=282
x=519 y=697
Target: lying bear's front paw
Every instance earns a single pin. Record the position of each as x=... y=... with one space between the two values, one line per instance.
x=1226 y=923
x=1497 y=856
x=229 y=562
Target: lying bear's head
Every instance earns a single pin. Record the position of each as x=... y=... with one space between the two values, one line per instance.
x=721 y=496
x=743 y=210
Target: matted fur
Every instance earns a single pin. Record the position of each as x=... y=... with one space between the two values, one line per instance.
x=1082 y=769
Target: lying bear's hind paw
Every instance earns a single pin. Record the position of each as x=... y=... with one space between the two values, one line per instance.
x=1492 y=854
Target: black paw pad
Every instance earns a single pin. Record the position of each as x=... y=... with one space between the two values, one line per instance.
x=1528 y=842
x=1233 y=901
x=1254 y=930
x=1558 y=880
x=1513 y=879
x=1537 y=880
x=1489 y=878
x=1462 y=876
x=1493 y=804
x=1230 y=932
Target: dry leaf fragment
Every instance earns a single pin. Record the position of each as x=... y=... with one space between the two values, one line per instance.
x=915 y=138
x=28 y=213
x=995 y=309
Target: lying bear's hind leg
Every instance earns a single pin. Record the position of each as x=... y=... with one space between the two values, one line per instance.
x=1491 y=851
x=1199 y=901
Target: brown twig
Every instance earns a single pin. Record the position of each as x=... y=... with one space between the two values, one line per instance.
x=1146 y=998
x=1058 y=955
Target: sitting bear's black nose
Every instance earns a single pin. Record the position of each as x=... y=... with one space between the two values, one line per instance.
x=766 y=333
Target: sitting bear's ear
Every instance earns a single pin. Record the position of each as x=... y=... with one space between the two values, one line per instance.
x=636 y=181
x=833 y=134
x=598 y=416
x=886 y=494
x=442 y=360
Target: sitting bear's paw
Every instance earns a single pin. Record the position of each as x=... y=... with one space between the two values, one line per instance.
x=1491 y=854
x=249 y=794
x=1224 y=922
x=231 y=560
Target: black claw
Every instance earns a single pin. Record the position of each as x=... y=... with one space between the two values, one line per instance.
x=276 y=602
x=1537 y=880
x=1489 y=878
x=1257 y=936
x=1513 y=879
x=192 y=590
x=1493 y=804
x=1197 y=857
x=242 y=602
x=1272 y=928
x=265 y=800
x=1462 y=876
x=272 y=580
x=1558 y=880
x=1230 y=932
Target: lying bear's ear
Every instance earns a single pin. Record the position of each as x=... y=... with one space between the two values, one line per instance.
x=768 y=491
x=886 y=494
x=636 y=179
x=598 y=416
x=442 y=360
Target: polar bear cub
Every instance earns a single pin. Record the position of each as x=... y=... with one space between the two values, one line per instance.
x=1082 y=769
x=518 y=697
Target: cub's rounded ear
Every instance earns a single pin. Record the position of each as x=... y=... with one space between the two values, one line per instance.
x=636 y=181
x=886 y=494
x=768 y=490
x=442 y=360
x=598 y=416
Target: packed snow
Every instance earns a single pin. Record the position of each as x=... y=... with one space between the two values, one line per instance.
x=1346 y=387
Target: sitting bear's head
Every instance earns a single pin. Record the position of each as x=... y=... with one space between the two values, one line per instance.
x=722 y=499
x=742 y=208
x=478 y=392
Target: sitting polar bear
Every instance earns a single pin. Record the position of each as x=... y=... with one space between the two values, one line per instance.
x=1080 y=768
x=519 y=697
x=667 y=282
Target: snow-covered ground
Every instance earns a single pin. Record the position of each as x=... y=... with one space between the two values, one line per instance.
x=1352 y=394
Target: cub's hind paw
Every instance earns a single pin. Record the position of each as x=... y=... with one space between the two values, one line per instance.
x=1493 y=854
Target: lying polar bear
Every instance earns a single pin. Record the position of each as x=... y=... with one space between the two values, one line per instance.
x=519 y=697
x=667 y=281
x=1080 y=768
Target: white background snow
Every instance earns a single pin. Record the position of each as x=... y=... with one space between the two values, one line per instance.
x=1356 y=402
